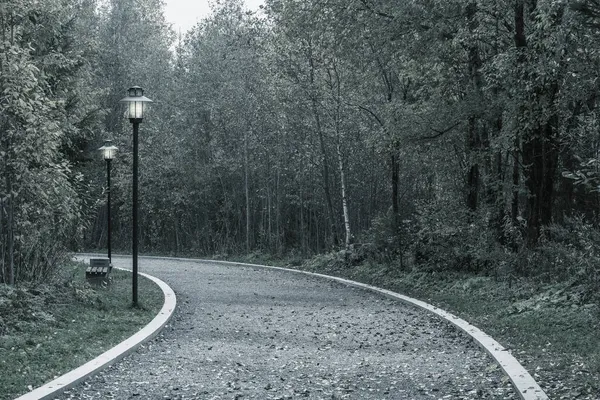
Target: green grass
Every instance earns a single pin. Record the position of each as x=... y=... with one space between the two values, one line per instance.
x=47 y=330
x=554 y=336
x=546 y=326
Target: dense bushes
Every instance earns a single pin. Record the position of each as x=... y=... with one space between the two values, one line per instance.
x=46 y=113
x=569 y=252
x=441 y=243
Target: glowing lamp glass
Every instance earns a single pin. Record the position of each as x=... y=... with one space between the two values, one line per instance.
x=136 y=109
x=135 y=103
x=108 y=150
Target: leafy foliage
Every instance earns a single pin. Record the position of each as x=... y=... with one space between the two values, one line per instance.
x=42 y=106
x=454 y=131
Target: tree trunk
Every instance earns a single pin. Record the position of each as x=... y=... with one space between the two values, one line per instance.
x=10 y=214
x=324 y=158
x=395 y=187
x=8 y=258
x=269 y=219
x=520 y=44
x=247 y=190
x=473 y=139
x=3 y=250
x=342 y=169
x=539 y=147
x=520 y=38
x=514 y=207
x=348 y=238
x=278 y=212
x=540 y=157
x=176 y=229
x=302 y=227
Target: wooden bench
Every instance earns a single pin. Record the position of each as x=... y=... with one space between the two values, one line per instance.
x=98 y=273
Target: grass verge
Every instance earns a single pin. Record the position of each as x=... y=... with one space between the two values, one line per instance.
x=49 y=329
x=549 y=328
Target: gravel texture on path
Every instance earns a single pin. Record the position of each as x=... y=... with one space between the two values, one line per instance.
x=253 y=333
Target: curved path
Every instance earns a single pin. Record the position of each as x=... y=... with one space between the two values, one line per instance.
x=250 y=333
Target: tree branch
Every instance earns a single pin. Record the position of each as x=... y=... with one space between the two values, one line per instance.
x=375 y=116
x=370 y=8
x=439 y=133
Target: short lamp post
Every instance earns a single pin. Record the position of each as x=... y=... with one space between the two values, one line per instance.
x=108 y=152
x=135 y=101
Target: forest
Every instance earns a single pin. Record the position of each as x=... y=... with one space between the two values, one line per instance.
x=442 y=135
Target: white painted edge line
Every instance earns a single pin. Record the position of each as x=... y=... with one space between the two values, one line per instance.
x=522 y=381
x=151 y=330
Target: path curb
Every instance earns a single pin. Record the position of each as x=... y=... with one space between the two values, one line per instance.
x=150 y=331
x=523 y=382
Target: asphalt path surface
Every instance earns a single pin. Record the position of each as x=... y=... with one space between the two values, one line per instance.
x=254 y=333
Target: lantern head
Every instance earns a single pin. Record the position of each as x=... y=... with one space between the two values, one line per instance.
x=108 y=150
x=135 y=100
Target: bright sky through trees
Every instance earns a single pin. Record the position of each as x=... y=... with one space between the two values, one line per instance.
x=183 y=14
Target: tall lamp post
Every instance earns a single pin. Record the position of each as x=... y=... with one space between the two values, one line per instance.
x=108 y=152
x=136 y=103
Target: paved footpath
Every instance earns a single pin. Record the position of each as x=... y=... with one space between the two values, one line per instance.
x=253 y=333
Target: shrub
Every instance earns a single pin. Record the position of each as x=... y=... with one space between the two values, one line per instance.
x=570 y=251
x=458 y=241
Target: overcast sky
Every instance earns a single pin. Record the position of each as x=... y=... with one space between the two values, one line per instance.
x=184 y=14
